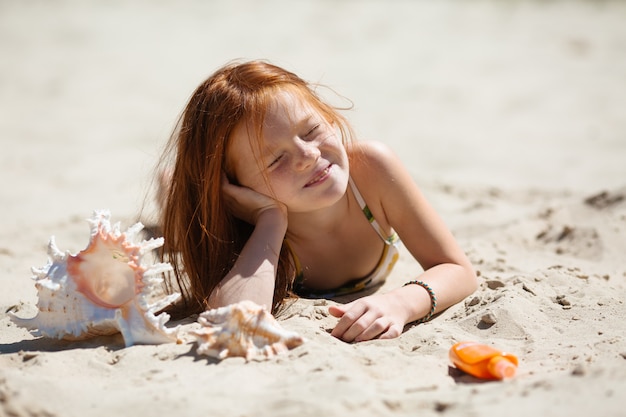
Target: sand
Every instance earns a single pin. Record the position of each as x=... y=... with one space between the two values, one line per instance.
x=510 y=115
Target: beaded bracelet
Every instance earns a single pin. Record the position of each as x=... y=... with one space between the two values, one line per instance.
x=433 y=300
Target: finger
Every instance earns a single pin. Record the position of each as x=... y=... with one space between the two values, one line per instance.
x=392 y=332
x=377 y=327
x=227 y=187
x=339 y=310
x=336 y=311
x=225 y=180
x=367 y=326
x=347 y=320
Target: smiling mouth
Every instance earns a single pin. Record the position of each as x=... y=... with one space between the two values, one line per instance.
x=322 y=175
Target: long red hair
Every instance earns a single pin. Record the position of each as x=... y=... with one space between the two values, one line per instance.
x=202 y=239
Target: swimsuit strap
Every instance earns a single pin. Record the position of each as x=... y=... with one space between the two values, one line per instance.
x=390 y=240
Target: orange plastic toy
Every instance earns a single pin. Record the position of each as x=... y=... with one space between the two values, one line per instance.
x=483 y=361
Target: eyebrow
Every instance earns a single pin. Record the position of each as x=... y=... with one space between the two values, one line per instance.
x=308 y=117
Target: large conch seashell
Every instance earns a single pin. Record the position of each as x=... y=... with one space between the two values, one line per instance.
x=102 y=290
x=243 y=329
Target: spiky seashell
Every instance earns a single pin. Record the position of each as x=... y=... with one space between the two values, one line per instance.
x=102 y=290
x=243 y=329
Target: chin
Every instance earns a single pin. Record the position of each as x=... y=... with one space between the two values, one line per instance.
x=336 y=191
x=341 y=178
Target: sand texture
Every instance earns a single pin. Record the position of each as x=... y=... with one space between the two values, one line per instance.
x=511 y=116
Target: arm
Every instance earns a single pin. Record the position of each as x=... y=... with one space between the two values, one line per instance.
x=397 y=199
x=253 y=275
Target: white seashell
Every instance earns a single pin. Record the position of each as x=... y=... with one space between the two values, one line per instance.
x=102 y=290
x=243 y=329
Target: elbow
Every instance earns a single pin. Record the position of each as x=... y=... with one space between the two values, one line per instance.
x=471 y=280
x=467 y=278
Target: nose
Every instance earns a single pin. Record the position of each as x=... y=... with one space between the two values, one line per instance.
x=307 y=154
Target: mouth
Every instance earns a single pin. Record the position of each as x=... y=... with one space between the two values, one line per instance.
x=321 y=176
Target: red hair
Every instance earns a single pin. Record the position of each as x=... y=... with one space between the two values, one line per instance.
x=202 y=239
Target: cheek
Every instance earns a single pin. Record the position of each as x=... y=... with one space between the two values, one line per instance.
x=280 y=185
x=256 y=183
x=248 y=175
x=333 y=140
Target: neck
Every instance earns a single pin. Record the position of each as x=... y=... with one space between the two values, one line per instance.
x=304 y=225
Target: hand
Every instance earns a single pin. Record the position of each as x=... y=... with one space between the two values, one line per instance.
x=247 y=204
x=375 y=316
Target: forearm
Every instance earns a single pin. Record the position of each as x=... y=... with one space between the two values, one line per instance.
x=254 y=273
x=450 y=283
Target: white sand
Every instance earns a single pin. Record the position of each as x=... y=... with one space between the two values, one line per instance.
x=509 y=116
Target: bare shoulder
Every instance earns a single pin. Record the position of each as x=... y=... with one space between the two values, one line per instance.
x=382 y=179
x=375 y=163
x=382 y=176
x=372 y=155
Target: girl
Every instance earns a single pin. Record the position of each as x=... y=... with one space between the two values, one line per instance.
x=268 y=196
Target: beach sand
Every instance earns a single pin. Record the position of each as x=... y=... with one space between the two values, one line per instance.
x=511 y=116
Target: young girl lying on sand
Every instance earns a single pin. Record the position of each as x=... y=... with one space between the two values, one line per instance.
x=269 y=196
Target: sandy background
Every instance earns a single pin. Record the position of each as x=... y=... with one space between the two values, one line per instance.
x=511 y=116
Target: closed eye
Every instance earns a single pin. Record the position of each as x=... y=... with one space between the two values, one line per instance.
x=275 y=161
x=310 y=132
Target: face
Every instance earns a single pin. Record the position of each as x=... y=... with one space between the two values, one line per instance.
x=302 y=162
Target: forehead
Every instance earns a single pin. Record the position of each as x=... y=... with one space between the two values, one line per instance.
x=286 y=109
x=285 y=113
